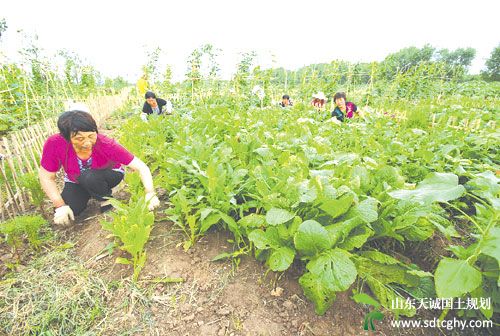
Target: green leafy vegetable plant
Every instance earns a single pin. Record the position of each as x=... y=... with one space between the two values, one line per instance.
x=17 y=229
x=132 y=224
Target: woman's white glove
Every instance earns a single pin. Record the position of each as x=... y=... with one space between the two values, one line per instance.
x=169 y=108
x=63 y=215
x=144 y=117
x=152 y=200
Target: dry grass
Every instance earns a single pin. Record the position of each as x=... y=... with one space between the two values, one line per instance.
x=56 y=295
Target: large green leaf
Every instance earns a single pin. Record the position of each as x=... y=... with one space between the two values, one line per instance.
x=365 y=210
x=337 y=207
x=334 y=267
x=281 y=259
x=252 y=221
x=455 y=278
x=381 y=272
x=486 y=185
x=209 y=221
x=329 y=272
x=380 y=257
x=436 y=187
x=339 y=231
x=311 y=238
x=490 y=245
x=388 y=296
x=277 y=216
x=307 y=193
x=264 y=240
x=356 y=238
x=360 y=178
x=317 y=291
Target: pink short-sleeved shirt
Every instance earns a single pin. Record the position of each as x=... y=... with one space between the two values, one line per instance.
x=106 y=154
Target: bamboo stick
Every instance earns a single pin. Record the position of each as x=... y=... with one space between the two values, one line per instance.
x=18 y=147
x=26 y=102
x=13 y=172
x=10 y=192
x=2 y=205
x=30 y=147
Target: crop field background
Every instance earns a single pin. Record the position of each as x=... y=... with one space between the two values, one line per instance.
x=273 y=221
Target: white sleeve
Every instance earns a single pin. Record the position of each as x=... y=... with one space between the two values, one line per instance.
x=169 y=107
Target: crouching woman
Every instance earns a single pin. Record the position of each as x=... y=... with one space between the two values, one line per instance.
x=92 y=163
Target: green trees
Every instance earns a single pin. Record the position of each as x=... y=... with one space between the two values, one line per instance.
x=459 y=57
x=244 y=67
x=492 y=72
x=455 y=62
x=202 y=68
x=405 y=59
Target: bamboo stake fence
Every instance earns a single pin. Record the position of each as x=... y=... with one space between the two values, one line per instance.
x=20 y=153
x=462 y=124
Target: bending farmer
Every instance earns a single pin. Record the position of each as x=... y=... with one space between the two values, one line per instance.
x=92 y=165
x=343 y=109
x=154 y=105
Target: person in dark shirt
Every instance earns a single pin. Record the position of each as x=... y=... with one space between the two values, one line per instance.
x=285 y=101
x=343 y=109
x=154 y=105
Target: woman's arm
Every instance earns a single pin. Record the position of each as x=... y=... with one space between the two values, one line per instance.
x=147 y=180
x=49 y=186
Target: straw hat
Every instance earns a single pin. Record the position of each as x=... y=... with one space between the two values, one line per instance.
x=319 y=95
x=78 y=106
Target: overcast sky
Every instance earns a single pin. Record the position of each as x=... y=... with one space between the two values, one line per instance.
x=114 y=36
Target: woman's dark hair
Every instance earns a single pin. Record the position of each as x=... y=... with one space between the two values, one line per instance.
x=72 y=122
x=286 y=97
x=339 y=95
x=150 y=94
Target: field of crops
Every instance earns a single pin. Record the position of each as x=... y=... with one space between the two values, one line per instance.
x=357 y=203
x=390 y=213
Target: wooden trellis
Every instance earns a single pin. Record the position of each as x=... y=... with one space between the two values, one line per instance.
x=462 y=124
x=20 y=153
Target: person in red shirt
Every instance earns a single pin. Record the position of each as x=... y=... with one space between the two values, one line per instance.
x=92 y=163
x=319 y=100
x=343 y=109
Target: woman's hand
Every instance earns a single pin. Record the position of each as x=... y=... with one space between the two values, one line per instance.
x=63 y=215
x=152 y=200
